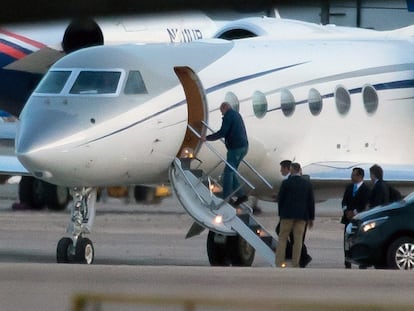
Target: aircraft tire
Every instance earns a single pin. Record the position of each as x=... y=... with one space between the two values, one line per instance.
x=216 y=252
x=26 y=191
x=56 y=198
x=241 y=252
x=62 y=250
x=144 y=193
x=51 y=196
x=38 y=194
x=85 y=252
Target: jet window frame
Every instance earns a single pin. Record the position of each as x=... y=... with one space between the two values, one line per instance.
x=370 y=99
x=121 y=80
x=74 y=74
x=233 y=100
x=343 y=100
x=287 y=102
x=259 y=104
x=315 y=102
x=41 y=83
x=141 y=85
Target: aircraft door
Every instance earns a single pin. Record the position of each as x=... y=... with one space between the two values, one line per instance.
x=196 y=107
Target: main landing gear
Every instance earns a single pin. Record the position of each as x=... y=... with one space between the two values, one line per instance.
x=229 y=250
x=77 y=248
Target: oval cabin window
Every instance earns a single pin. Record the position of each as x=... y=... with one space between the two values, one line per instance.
x=287 y=103
x=370 y=98
x=342 y=100
x=232 y=99
x=259 y=104
x=315 y=102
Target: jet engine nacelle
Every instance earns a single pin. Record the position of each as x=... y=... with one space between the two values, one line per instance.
x=264 y=26
x=81 y=33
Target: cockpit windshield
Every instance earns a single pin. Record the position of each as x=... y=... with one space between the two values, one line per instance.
x=96 y=82
x=135 y=84
x=91 y=82
x=53 y=82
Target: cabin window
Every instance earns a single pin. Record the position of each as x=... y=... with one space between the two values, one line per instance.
x=315 y=102
x=53 y=82
x=232 y=99
x=96 y=82
x=135 y=84
x=259 y=104
x=342 y=100
x=370 y=99
x=287 y=103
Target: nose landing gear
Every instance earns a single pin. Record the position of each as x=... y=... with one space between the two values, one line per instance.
x=79 y=249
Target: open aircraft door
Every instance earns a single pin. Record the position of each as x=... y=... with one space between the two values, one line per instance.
x=234 y=235
x=196 y=107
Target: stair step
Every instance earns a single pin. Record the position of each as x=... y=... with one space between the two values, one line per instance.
x=197 y=173
x=268 y=240
x=245 y=218
x=255 y=228
x=205 y=207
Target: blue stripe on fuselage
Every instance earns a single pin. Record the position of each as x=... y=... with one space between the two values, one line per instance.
x=249 y=77
x=209 y=90
x=380 y=86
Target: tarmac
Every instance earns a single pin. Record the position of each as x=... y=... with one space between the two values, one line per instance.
x=143 y=262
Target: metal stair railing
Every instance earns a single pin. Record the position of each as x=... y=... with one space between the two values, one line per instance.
x=244 y=161
x=225 y=161
x=234 y=221
x=178 y=166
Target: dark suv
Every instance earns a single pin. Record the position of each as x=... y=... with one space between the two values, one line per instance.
x=383 y=237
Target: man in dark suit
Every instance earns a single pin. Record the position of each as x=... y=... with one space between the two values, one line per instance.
x=380 y=194
x=305 y=258
x=296 y=210
x=354 y=201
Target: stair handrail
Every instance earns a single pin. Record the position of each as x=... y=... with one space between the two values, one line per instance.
x=244 y=161
x=178 y=165
x=222 y=158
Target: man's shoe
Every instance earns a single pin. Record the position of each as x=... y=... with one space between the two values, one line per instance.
x=348 y=265
x=241 y=200
x=303 y=263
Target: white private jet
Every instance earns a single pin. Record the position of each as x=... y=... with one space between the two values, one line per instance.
x=28 y=50
x=330 y=98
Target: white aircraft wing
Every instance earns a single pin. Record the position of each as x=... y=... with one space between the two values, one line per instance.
x=9 y=164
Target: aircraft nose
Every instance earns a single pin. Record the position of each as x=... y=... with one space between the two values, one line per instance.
x=41 y=138
x=39 y=130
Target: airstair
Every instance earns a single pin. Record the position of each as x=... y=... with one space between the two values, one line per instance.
x=195 y=190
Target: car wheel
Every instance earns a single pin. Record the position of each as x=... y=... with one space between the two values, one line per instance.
x=400 y=254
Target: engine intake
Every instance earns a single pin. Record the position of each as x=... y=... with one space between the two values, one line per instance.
x=81 y=33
